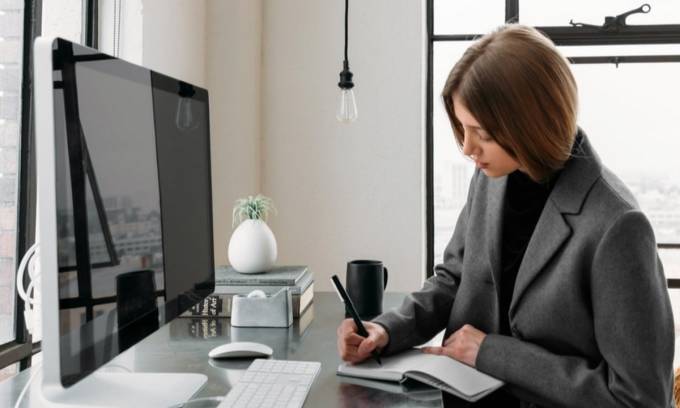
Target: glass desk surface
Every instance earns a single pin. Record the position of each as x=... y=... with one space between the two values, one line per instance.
x=183 y=346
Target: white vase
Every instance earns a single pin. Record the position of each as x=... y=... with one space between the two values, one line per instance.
x=252 y=247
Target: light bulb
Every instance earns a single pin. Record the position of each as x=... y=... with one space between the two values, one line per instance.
x=347 y=109
x=184 y=116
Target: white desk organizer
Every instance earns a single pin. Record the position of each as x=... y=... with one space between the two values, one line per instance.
x=260 y=310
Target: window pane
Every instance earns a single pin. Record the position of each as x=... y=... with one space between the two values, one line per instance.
x=620 y=50
x=467 y=16
x=670 y=258
x=674 y=294
x=9 y=371
x=554 y=13
x=644 y=92
x=11 y=16
x=63 y=19
x=451 y=171
x=630 y=114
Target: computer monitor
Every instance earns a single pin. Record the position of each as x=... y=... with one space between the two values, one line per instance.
x=124 y=219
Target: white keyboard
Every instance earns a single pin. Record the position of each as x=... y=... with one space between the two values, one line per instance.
x=273 y=383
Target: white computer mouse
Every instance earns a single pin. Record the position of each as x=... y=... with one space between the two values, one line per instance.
x=241 y=349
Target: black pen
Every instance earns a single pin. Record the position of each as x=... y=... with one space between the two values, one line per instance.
x=361 y=330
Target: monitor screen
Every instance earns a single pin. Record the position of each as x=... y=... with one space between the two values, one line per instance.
x=133 y=202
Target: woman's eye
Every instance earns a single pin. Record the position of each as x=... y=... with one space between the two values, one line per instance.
x=483 y=136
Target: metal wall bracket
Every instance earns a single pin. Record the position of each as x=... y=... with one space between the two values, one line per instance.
x=615 y=23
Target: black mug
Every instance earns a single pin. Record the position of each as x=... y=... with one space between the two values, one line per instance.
x=365 y=283
x=136 y=306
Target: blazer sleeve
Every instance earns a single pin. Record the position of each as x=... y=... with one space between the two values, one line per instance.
x=633 y=330
x=425 y=313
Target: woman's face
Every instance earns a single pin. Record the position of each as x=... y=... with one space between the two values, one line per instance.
x=488 y=155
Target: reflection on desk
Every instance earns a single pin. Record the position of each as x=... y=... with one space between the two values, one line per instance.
x=207 y=328
x=411 y=389
x=183 y=346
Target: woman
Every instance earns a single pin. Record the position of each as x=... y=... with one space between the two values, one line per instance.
x=551 y=281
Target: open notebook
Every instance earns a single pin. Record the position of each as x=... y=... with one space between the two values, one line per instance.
x=441 y=372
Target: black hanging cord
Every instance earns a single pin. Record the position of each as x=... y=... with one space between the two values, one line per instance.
x=346 y=20
x=346 y=75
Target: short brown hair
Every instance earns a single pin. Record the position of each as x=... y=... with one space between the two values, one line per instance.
x=520 y=88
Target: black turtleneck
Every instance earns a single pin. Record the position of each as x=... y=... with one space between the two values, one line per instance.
x=524 y=202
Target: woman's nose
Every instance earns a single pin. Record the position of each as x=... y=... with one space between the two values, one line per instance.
x=468 y=145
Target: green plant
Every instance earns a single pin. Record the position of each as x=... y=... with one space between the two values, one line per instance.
x=254 y=208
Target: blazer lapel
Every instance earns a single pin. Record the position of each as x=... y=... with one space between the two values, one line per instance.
x=493 y=230
x=552 y=230
x=550 y=233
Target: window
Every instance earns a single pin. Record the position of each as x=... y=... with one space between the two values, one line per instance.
x=68 y=19
x=629 y=110
x=63 y=18
x=11 y=18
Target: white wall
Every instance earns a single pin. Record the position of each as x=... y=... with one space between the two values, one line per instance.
x=346 y=191
x=234 y=61
x=174 y=38
x=343 y=191
x=217 y=45
x=168 y=36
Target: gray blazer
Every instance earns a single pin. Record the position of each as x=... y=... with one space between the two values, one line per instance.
x=590 y=317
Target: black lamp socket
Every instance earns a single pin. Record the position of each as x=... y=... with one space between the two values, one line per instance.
x=346 y=77
x=186 y=90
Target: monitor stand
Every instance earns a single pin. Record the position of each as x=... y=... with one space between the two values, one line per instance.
x=107 y=389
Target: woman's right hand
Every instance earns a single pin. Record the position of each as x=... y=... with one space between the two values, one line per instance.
x=354 y=348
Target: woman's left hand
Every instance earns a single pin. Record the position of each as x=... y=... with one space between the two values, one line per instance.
x=463 y=345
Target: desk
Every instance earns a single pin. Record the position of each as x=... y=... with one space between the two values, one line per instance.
x=181 y=347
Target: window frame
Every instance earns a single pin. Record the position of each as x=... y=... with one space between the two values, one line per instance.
x=22 y=348
x=560 y=35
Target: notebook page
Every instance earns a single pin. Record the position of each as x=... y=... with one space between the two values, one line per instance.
x=466 y=380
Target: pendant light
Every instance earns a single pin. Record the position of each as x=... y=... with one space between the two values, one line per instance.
x=184 y=114
x=347 y=108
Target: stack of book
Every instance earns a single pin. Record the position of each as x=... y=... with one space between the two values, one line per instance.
x=228 y=282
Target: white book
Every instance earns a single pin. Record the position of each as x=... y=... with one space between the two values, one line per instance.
x=437 y=371
x=296 y=289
